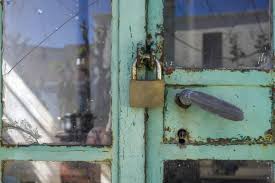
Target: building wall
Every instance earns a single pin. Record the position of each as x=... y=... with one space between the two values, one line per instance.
x=246 y=39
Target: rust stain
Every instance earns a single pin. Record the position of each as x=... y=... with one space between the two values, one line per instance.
x=168 y=129
x=264 y=140
x=221 y=69
x=165 y=140
x=169 y=70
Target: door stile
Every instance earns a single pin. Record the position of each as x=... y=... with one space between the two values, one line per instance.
x=154 y=124
x=114 y=89
x=131 y=120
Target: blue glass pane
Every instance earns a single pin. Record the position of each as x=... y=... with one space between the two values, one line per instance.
x=211 y=7
x=230 y=34
x=57 y=72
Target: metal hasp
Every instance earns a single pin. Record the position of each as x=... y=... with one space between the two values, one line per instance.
x=209 y=103
x=147 y=93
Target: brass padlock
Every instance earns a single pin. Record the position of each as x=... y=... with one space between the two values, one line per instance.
x=146 y=93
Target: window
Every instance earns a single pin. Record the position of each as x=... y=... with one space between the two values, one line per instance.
x=212 y=50
x=57 y=72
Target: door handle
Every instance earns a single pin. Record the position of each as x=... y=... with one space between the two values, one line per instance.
x=209 y=103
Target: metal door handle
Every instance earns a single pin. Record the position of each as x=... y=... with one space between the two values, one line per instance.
x=209 y=103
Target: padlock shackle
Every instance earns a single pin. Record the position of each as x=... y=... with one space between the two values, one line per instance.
x=134 y=70
x=158 y=71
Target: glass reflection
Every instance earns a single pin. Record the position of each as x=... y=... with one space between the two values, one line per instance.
x=56 y=70
x=218 y=33
x=218 y=171
x=57 y=172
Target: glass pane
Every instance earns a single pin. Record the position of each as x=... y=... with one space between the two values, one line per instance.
x=213 y=34
x=57 y=172
x=218 y=171
x=56 y=70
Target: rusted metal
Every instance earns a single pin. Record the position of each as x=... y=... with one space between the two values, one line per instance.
x=187 y=69
x=157 y=65
x=264 y=140
x=146 y=93
x=169 y=70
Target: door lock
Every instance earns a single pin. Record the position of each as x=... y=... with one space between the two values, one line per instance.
x=147 y=93
x=182 y=133
x=209 y=103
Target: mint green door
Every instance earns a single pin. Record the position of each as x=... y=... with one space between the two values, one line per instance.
x=223 y=49
x=62 y=61
x=65 y=111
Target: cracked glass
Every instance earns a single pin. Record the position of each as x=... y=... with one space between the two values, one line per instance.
x=57 y=72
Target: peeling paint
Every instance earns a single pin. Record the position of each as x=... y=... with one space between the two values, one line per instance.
x=169 y=70
x=266 y=139
x=168 y=129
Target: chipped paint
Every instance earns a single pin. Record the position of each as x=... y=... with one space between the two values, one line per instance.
x=249 y=86
x=203 y=125
x=266 y=139
x=169 y=70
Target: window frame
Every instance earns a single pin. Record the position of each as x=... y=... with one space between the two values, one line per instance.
x=43 y=152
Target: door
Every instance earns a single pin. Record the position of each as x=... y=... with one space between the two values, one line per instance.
x=65 y=85
x=223 y=49
x=61 y=93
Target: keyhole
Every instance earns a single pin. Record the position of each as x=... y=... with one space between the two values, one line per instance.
x=181 y=136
